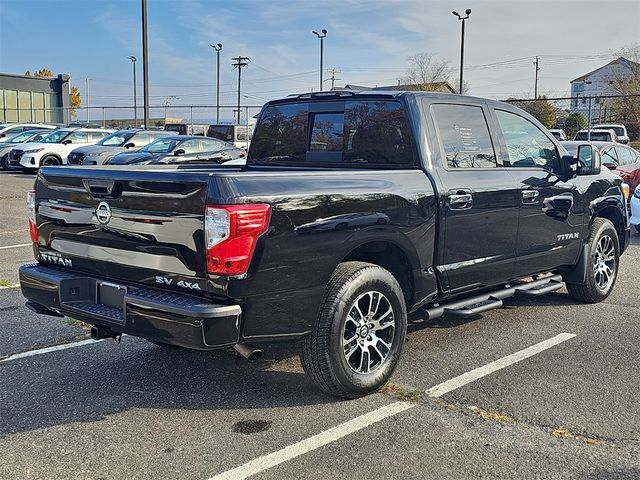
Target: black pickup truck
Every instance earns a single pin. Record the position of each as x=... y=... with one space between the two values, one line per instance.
x=354 y=209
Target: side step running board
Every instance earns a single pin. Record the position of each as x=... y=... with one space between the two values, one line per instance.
x=488 y=301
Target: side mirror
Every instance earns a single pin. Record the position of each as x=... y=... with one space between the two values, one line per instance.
x=179 y=152
x=589 y=160
x=129 y=145
x=3 y=135
x=610 y=166
x=67 y=142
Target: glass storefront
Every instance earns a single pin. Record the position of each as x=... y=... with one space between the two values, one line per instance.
x=21 y=106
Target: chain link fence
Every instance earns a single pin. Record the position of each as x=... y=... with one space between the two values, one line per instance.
x=575 y=113
x=122 y=117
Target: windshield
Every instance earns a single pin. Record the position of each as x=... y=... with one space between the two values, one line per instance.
x=56 y=137
x=162 y=145
x=221 y=132
x=116 y=139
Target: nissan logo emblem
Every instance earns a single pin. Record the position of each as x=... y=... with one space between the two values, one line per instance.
x=103 y=213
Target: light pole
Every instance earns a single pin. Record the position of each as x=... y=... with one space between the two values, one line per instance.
x=86 y=83
x=217 y=48
x=587 y=82
x=145 y=64
x=321 y=37
x=135 y=96
x=460 y=17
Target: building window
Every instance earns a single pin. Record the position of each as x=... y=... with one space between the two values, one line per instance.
x=24 y=105
x=37 y=102
x=11 y=106
x=2 y=106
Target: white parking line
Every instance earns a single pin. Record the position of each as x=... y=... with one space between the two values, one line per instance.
x=32 y=353
x=16 y=246
x=11 y=285
x=290 y=452
x=473 y=375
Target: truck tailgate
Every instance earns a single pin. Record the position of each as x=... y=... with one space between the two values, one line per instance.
x=137 y=225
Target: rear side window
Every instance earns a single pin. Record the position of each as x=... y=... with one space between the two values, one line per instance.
x=348 y=133
x=464 y=136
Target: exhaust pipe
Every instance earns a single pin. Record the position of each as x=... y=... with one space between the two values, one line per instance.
x=98 y=333
x=249 y=352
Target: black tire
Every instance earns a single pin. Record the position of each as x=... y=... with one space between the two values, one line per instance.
x=592 y=290
x=4 y=162
x=50 y=160
x=323 y=354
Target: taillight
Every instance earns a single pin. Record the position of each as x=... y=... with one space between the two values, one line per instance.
x=31 y=209
x=231 y=234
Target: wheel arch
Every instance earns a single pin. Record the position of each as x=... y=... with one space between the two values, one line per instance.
x=614 y=214
x=392 y=257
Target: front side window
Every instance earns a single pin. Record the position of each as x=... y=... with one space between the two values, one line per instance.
x=162 y=145
x=56 y=137
x=208 y=145
x=609 y=156
x=116 y=139
x=190 y=146
x=527 y=145
x=464 y=136
x=626 y=156
x=78 y=137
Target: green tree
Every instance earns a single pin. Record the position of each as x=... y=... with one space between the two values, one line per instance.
x=541 y=109
x=573 y=123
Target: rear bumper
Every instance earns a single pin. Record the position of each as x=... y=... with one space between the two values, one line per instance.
x=159 y=315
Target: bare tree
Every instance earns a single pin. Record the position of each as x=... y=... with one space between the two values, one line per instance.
x=626 y=82
x=425 y=69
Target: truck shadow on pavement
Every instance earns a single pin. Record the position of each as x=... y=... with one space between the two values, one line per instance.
x=90 y=383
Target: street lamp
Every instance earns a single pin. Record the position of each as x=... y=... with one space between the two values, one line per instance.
x=217 y=48
x=321 y=37
x=460 y=17
x=135 y=97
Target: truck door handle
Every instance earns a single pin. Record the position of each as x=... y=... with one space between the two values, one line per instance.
x=460 y=200
x=530 y=196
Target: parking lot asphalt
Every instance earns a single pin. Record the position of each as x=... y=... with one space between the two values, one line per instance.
x=135 y=410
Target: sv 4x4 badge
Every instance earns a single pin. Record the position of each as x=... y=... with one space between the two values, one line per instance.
x=181 y=283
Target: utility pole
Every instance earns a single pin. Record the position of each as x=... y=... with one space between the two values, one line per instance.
x=240 y=63
x=321 y=37
x=86 y=86
x=333 y=77
x=536 y=84
x=217 y=48
x=145 y=64
x=135 y=96
x=460 y=17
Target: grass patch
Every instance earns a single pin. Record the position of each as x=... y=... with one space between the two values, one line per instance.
x=402 y=393
x=5 y=283
x=562 y=432
x=74 y=322
x=492 y=416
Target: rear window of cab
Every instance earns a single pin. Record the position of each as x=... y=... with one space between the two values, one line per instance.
x=351 y=133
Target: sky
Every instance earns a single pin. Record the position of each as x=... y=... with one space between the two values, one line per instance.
x=368 y=42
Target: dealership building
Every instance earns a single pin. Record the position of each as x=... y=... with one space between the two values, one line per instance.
x=34 y=99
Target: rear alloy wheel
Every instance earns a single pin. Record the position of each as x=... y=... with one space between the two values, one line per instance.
x=360 y=334
x=602 y=264
x=51 y=161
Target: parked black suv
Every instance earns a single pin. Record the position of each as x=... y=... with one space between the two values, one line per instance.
x=353 y=210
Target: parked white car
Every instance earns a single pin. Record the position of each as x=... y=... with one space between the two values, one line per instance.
x=621 y=131
x=10 y=129
x=54 y=148
x=16 y=141
x=599 y=135
x=635 y=210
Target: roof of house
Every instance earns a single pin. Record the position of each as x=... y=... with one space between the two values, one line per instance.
x=621 y=60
